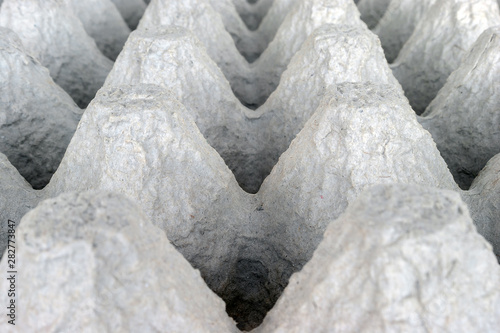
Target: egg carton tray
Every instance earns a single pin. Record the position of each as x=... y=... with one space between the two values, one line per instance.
x=234 y=165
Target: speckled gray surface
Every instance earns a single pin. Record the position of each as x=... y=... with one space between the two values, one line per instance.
x=78 y=67
x=37 y=118
x=438 y=44
x=360 y=135
x=251 y=141
x=464 y=118
x=399 y=259
x=398 y=23
x=144 y=144
x=119 y=272
x=16 y=198
x=483 y=199
x=251 y=83
x=166 y=126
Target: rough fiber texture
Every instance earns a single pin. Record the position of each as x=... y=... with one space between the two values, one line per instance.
x=360 y=135
x=330 y=56
x=153 y=145
x=253 y=83
x=103 y=22
x=144 y=144
x=301 y=21
x=16 y=198
x=464 y=118
x=158 y=56
x=400 y=259
x=373 y=10
x=251 y=141
x=92 y=262
x=398 y=24
x=52 y=34
x=246 y=246
x=438 y=44
x=205 y=23
x=37 y=118
x=483 y=200
x=131 y=10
